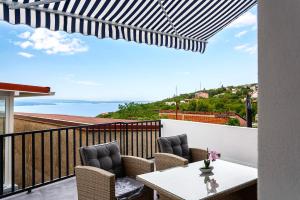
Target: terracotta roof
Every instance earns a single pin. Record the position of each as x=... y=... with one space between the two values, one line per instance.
x=25 y=89
x=68 y=120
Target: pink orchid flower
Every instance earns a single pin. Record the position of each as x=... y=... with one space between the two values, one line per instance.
x=213 y=155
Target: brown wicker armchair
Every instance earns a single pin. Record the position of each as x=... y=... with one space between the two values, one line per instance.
x=174 y=151
x=94 y=183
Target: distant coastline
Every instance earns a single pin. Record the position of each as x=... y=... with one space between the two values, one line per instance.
x=35 y=102
x=68 y=107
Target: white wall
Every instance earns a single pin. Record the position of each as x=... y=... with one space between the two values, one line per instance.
x=236 y=144
x=279 y=99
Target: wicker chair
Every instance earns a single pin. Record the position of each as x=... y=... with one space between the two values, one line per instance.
x=104 y=167
x=174 y=151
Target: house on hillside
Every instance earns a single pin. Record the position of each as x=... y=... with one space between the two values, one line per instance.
x=201 y=94
x=170 y=103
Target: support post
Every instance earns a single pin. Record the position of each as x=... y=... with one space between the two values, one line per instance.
x=9 y=128
x=249 y=111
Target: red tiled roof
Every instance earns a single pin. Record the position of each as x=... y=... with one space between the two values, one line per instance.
x=24 y=88
x=69 y=120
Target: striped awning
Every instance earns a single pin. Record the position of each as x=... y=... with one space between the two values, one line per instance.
x=179 y=24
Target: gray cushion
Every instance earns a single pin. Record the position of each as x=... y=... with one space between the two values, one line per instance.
x=127 y=188
x=177 y=145
x=105 y=156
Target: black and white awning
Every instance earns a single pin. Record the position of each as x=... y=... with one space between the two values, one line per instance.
x=180 y=24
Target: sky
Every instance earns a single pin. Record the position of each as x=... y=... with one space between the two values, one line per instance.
x=87 y=68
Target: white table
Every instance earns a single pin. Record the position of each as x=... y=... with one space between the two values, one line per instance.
x=188 y=182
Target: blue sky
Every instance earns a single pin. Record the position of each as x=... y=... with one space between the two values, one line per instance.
x=84 y=67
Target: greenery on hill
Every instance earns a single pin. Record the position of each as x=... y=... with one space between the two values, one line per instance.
x=224 y=99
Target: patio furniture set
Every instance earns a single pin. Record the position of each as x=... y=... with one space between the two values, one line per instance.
x=106 y=174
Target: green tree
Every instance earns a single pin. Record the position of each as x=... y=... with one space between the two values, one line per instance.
x=192 y=105
x=202 y=106
x=233 y=122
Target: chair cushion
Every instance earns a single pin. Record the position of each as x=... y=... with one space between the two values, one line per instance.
x=105 y=156
x=177 y=145
x=127 y=188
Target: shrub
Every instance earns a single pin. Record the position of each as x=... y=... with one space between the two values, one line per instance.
x=233 y=122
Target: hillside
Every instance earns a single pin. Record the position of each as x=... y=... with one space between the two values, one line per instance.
x=223 y=99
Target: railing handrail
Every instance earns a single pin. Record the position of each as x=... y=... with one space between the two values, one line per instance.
x=72 y=127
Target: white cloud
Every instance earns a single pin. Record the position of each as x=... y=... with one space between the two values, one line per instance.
x=24 y=35
x=241 y=47
x=251 y=49
x=24 y=45
x=247 y=48
x=51 y=42
x=26 y=55
x=240 y=34
x=247 y=19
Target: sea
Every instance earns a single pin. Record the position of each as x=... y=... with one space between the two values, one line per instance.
x=67 y=107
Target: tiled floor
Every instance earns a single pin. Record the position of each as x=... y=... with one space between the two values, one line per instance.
x=63 y=190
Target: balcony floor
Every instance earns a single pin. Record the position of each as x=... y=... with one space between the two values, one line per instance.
x=65 y=190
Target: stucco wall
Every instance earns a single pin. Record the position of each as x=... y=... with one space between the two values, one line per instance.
x=22 y=125
x=279 y=81
x=236 y=144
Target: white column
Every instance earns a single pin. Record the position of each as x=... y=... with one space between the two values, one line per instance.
x=279 y=99
x=9 y=126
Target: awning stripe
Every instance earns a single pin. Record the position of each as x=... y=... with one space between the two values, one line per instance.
x=179 y=24
x=203 y=12
x=216 y=16
x=224 y=21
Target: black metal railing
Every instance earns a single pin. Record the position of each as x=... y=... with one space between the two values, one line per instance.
x=38 y=158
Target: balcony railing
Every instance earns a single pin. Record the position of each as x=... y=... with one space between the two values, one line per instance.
x=32 y=159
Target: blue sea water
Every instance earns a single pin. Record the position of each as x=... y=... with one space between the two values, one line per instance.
x=67 y=107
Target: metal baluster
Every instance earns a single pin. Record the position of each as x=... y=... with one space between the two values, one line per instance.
x=142 y=132
x=59 y=153
x=51 y=155
x=12 y=163
x=23 y=163
x=80 y=137
x=151 y=139
x=131 y=139
x=74 y=149
x=87 y=137
x=147 y=140
x=110 y=132
x=121 y=134
x=115 y=131
x=126 y=138
x=155 y=129
x=93 y=135
x=137 y=139
x=33 y=159
x=159 y=124
x=104 y=133
x=67 y=152
x=1 y=164
x=99 y=134
x=42 y=158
